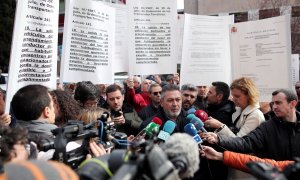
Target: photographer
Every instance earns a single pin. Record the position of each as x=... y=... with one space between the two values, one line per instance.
x=124 y=116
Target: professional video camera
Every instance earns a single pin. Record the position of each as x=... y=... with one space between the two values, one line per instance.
x=265 y=171
x=175 y=159
x=75 y=131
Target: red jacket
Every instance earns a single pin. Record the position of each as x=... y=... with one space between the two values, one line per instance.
x=239 y=161
x=136 y=100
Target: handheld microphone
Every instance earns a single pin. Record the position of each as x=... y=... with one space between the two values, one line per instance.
x=157 y=121
x=198 y=124
x=191 y=111
x=191 y=130
x=167 y=130
x=183 y=152
x=190 y=117
x=201 y=115
x=151 y=129
x=147 y=130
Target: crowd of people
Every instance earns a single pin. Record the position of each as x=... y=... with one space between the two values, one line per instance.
x=236 y=123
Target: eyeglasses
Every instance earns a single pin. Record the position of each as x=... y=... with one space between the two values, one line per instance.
x=156 y=93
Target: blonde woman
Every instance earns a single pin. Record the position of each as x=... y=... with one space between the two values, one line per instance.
x=247 y=116
x=91 y=115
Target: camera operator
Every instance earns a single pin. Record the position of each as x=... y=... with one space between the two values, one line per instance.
x=33 y=107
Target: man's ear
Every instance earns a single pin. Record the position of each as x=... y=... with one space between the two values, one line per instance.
x=46 y=112
x=220 y=97
x=294 y=103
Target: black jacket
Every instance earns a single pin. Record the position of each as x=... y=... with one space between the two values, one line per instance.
x=275 y=139
x=147 y=112
x=181 y=120
x=222 y=112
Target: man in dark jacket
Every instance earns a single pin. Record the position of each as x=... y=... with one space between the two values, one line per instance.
x=278 y=138
x=220 y=108
x=33 y=107
x=171 y=103
x=151 y=109
x=124 y=116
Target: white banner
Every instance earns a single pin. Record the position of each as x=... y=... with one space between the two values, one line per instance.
x=180 y=31
x=33 y=58
x=152 y=36
x=206 y=50
x=88 y=43
x=261 y=50
x=120 y=57
x=295 y=68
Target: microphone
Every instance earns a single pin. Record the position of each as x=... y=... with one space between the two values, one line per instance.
x=198 y=124
x=183 y=152
x=190 y=117
x=157 y=121
x=191 y=110
x=152 y=129
x=148 y=129
x=191 y=130
x=167 y=130
x=201 y=115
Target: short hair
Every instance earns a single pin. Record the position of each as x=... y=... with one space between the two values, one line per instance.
x=30 y=101
x=169 y=77
x=169 y=87
x=8 y=138
x=222 y=88
x=137 y=79
x=113 y=88
x=86 y=90
x=153 y=85
x=290 y=95
x=189 y=87
x=248 y=87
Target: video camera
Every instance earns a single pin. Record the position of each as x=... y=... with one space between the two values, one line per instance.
x=75 y=131
x=265 y=171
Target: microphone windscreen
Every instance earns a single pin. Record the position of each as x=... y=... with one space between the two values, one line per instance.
x=191 y=111
x=190 y=117
x=197 y=123
x=157 y=120
x=151 y=128
x=201 y=115
x=182 y=145
x=190 y=129
x=169 y=127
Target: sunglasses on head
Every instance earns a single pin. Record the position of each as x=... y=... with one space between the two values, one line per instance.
x=156 y=93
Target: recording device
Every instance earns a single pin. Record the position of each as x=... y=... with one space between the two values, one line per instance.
x=266 y=171
x=202 y=115
x=150 y=130
x=176 y=158
x=191 y=111
x=75 y=130
x=117 y=113
x=191 y=130
x=167 y=130
x=198 y=124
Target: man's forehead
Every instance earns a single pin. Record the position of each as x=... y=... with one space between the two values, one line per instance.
x=171 y=94
x=189 y=92
x=279 y=97
x=114 y=94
